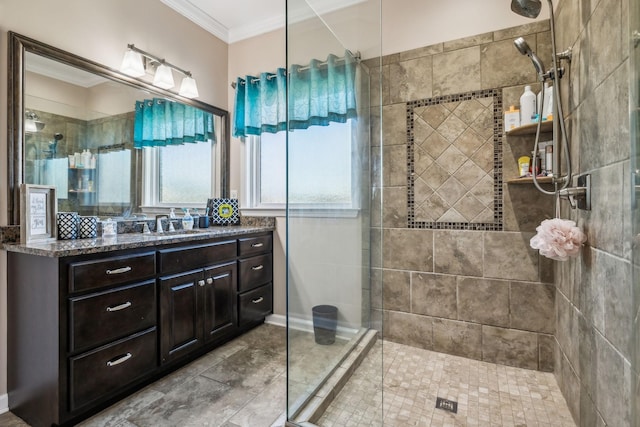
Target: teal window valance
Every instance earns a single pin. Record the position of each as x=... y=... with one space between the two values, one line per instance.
x=160 y=122
x=318 y=94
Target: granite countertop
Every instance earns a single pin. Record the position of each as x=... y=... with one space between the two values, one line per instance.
x=63 y=248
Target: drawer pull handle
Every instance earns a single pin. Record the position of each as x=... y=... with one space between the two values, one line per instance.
x=201 y=282
x=257 y=245
x=257 y=267
x=120 y=307
x=257 y=300
x=119 y=270
x=114 y=362
x=209 y=280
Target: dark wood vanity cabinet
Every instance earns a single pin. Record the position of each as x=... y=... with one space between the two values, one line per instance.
x=255 y=287
x=87 y=330
x=196 y=308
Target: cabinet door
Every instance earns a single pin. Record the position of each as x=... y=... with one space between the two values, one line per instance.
x=180 y=323
x=219 y=297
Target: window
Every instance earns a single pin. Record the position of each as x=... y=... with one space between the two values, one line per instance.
x=320 y=168
x=179 y=175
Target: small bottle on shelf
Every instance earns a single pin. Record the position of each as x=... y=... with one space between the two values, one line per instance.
x=527 y=106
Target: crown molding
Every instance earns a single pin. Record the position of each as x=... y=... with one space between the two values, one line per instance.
x=198 y=17
x=256 y=28
x=252 y=29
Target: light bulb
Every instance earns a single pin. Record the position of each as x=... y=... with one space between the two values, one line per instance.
x=132 y=64
x=188 y=88
x=30 y=126
x=163 y=77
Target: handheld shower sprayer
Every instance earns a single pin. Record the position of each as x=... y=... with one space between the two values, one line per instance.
x=523 y=48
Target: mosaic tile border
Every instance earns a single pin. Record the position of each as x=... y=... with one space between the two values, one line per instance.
x=497 y=224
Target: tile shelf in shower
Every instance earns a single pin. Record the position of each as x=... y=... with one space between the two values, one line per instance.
x=530 y=129
x=529 y=180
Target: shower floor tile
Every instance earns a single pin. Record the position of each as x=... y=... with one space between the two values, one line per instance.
x=487 y=394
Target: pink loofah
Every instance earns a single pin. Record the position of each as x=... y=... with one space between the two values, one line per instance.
x=558 y=239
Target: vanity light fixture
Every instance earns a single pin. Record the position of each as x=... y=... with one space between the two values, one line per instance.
x=136 y=60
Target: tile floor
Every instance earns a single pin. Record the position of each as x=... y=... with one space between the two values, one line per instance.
x=487 y=394
x=243 y=384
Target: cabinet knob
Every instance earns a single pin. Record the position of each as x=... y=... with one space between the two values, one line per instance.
x=201 y=282
x=257 y=267
x=257 y=300
x=257 y=245
x=209 y=280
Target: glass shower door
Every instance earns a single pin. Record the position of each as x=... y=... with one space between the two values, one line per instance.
x=330 y=321
x=634 y=104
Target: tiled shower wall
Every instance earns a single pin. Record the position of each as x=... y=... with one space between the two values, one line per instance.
x=594 y=292
x=483 y=294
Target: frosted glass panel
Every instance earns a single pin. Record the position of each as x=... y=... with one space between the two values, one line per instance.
x=114 y=188
x=185 y=172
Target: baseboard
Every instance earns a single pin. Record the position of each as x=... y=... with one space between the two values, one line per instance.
x=276 y=319
x=4 y=403
x=306 y=325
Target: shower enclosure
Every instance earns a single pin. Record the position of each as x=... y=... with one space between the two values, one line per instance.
x=330 y=209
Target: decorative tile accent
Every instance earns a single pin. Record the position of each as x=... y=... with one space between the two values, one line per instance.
x=454 y=162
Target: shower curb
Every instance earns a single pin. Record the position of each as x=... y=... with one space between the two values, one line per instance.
x=318 y=404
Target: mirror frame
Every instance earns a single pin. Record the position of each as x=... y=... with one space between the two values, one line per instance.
x=18 y=45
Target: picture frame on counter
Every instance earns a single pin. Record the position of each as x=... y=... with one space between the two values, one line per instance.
x=38 y=208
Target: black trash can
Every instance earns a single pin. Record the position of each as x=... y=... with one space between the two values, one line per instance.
x=325 y=323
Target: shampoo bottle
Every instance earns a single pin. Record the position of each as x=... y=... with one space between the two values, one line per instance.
x=547 y=111
x=527 y=106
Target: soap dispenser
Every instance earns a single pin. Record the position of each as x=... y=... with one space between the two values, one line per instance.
x=527 y=106
x=187 y=220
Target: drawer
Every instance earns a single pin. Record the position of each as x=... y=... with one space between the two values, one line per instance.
x=111 y=271
x=256 y=304
x=254 y=271
x=98 y=318
x=254 y=245
x=185 y=258
x=103 y=371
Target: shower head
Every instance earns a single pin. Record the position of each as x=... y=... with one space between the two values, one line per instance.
x=57 y=136
x=526 y=8
x=523 y=48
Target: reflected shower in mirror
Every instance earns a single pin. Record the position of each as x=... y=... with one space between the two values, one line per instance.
x=78 y=125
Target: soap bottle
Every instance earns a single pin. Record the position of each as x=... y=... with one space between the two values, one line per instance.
x=172 y=214
x=187 y=220
x=527 y=106
x=86 y=158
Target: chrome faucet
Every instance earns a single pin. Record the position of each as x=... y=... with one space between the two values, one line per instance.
x=159 y=222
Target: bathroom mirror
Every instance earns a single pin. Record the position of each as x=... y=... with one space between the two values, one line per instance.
x=71 y=124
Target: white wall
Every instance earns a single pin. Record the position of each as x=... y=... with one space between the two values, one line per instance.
x=100 y=31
